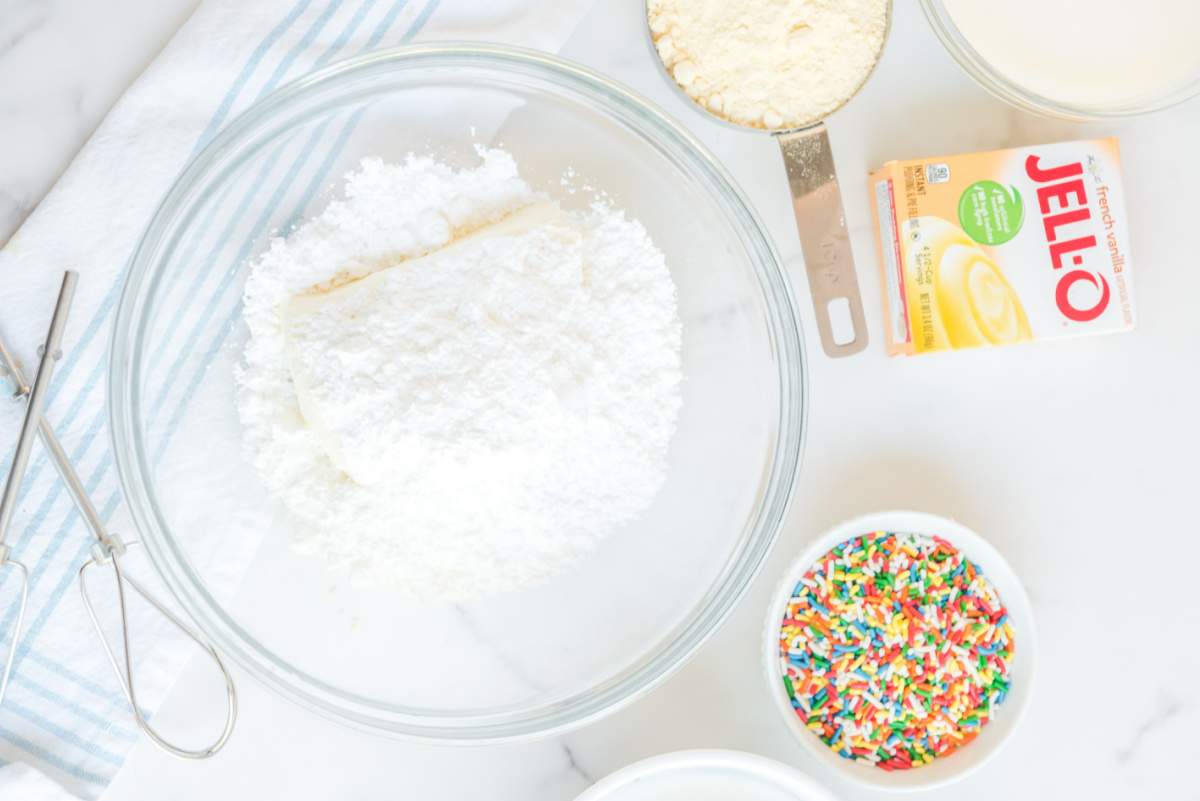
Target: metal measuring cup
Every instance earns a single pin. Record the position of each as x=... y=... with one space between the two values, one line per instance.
x=820 y=218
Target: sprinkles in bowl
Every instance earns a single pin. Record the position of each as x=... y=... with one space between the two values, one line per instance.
x=895 y=649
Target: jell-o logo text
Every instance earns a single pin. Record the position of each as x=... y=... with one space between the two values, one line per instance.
x=1063 y=200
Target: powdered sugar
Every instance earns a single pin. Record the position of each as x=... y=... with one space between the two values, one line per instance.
x=481 y=409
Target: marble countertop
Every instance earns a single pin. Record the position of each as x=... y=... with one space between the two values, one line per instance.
x=1075 y=458
x=63 y=63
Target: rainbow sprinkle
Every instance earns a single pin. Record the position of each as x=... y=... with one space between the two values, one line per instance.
x=895 y=649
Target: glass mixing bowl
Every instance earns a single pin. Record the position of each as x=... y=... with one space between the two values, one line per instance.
x=1011 y=91
x=541 y=660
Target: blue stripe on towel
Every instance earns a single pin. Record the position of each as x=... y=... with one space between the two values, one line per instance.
x=305 y=42
x=248 y=70
x=105 y=464
x=52 y=759
x=100 y=317
x=205 y=265
x=105 y=724
x=62 y=733
x=228 y=324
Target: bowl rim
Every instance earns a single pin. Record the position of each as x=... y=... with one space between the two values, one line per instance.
x=1008 y=584
x=642 y=673
x=1000 y=86
x=804 y=786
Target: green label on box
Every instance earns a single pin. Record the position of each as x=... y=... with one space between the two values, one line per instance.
x=991 y=213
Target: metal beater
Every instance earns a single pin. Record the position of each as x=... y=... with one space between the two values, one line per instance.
x=109 y=548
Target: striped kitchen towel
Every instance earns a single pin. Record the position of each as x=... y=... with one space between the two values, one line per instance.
x=64 y=713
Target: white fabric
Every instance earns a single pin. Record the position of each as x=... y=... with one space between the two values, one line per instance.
x=64 y=712
x=20 y=781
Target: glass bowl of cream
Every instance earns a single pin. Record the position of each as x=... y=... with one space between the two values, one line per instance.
x=1081 y=61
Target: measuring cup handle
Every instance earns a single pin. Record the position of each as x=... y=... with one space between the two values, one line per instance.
x=821 y=222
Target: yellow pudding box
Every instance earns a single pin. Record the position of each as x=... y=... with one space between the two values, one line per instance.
x=1003 y=247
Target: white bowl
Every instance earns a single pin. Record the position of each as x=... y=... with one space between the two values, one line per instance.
x=994 y=734
x=707 y=775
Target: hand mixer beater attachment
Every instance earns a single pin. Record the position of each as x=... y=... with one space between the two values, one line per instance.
x=109 y=548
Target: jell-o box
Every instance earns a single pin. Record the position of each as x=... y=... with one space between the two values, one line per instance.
x=1003 y=247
